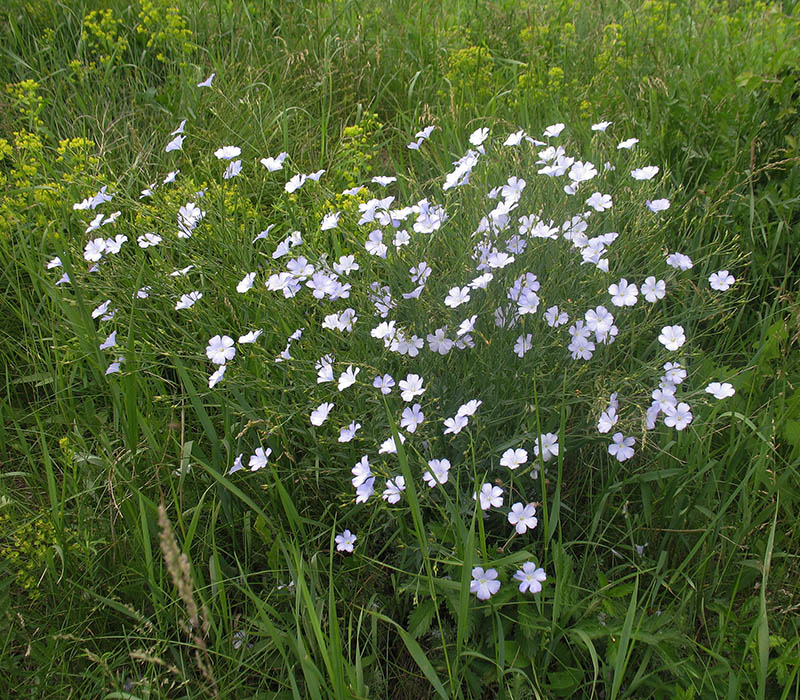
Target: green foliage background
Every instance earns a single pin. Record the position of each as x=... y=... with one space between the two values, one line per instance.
x=91 y=606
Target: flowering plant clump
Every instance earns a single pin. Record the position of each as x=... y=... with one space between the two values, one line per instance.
x=457 y=347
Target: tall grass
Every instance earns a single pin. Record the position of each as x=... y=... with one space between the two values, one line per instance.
x=669 y=575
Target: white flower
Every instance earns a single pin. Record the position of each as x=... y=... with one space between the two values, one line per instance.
x=523 y=344
x=549 y=442
x=455 y=425
x=622 y=447
x=523 y=518
x=411 y=387
x=672 y=337
x=220 y=349
x=182 y=272
x=394 y=487
x=623 y=294
x=646 y=173
x=469 y=408
x=324 y=370
x=345 y=265
x=484 y=584
x=383 y=180
x=295 y=183
x=600 y=202
x=528 y=302
x=176 y=144
x=345 y=541
x=482 y=281
x=608 y=419
x=412 y=417
x=148 y=239
x=347 y=433
x=188 y=300
x=466 y=326
x=653 y=289
x=651 y=415
x=580 y=348
x=499 y=260
x=477 y=137
x=361 y=471
x=274 y=164
x=439 y=342
x=259 y=459
x=227 y=152
x=320 y=414
x=553 y=130
x=384 y=331
x=555 y=318
x=207 y=81
x=247 y=283
x=679 y=261
x=514 y=139
x=582 y=172
x=250 y=337
x=389 y=446
x=95 y=223
x=627 y=144
x=658 y=205
x=513 y=458
x=94 y=249
x=264 y=233
x=110 y=341
x=438 y=473
x=529 y=576
x=348 y=377
x=237 y=464
x=217 y=376
x=330 y=221
x=233 y=169
x=456 y=297
x=674 y=373
x=365 y=490
x=664 y=399
x=721 y=281
x=677 y=417
x=512 y=190
x=114 y=245
x=100 y=310
x=720 y=390
x=384 y=383
x=375 y=245
x=600 y=320
x=601 y=126
x=490 y=496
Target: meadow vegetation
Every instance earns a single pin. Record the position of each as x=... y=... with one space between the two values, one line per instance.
x=400 y=349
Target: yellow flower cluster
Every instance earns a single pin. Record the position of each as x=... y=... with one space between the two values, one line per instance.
x=25 y=547
x=353 y=159
x=102 y=38
x=27 y=101
x=33 y=188
x=470 y=74
x=612 y=55
x=165 y=29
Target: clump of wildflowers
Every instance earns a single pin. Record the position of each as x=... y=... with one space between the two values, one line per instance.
x=394 y=334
